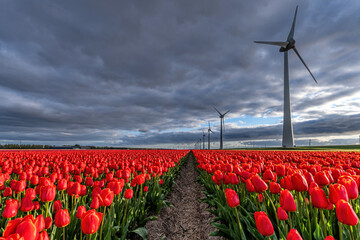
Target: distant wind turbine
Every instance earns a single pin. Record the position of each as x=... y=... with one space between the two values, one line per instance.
x=288 y=135
x=209 y=132
x=222 y=124
x=203 y=140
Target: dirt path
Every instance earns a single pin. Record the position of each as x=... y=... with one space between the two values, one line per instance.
x=188 y=219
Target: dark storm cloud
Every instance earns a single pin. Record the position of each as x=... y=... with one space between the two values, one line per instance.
x=92 y=71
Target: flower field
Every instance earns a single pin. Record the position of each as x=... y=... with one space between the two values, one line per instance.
x=91 y=194
x=282 y=194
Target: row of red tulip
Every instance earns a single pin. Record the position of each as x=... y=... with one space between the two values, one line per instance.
x=68 y=194
x=311 y=193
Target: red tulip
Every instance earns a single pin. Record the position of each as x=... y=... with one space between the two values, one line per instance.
x=30 y=192
x=275 y=188
x=91 y=221
x=26 y=204
x=337 y=192
x=321 y=178
x=11 y=208
x=62 y=218
x=62 y=184
x=249 y=186
x=43 y=236
x=11 y=227
x=345 y=213
x=280 y=170
x=95 y=203
x=287 y=201
x=294 y=235
x=269 y=175
x=351 y=187
x=232 y=198
x=7 y=192
x=319 y=199
x=263 y=224
x=47 y=193
x=259 y=184
x=129 y=193
x=27 y=229
x=146 y=189
x=80 y=212
x=299 y=182
x=281 y=214
x=39 y=222
x=48 y=222
x=107 y=197
x=329 y=238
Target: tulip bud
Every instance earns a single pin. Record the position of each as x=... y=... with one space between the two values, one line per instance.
x=345 y=213
x=62 y=218
x=287 y=201
x=294 y=235
x=263 y=224
x=232 y=198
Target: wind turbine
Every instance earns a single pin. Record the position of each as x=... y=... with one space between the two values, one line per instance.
x=209 y=132
x=222 y=123
x=288 y=135
x=203 y=140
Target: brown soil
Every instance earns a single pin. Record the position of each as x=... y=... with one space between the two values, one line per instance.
x=188 y=219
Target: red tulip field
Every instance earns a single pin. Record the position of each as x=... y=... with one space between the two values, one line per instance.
x=282 y=194
x=91 y=194
x=112 y=194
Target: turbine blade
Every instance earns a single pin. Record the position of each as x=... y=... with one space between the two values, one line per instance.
x=226 y=113
x=291 y=33
x=217 y=110
x=297 y=53
x=281 y=44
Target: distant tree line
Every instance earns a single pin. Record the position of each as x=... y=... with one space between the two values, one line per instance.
x=24 y=146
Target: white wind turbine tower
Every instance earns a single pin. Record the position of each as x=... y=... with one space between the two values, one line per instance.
x=209 y=132
x=222 y=124
x=288 y=135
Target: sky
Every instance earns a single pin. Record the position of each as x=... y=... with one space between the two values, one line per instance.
x=148 y=73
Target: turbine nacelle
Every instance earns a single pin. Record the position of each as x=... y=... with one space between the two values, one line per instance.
x=289 y=46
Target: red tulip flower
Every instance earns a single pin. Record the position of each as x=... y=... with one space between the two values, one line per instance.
x=263 y=224
x=129 y=193
x=47 y=193
x=48 y=222
x=62 y=218
x=80 y=212
x=7 y=192
x=294 y=235
x=95 y=203
x=299 y=182
x=329 y=238
x=232 y=198
x=287 y=201
x=146 y=189
x=27 y=229
x=91 y=221
x=107 y=197
x=351 y=187
x=275 y=188
x=26 y=204
x=40 y=223
x=319 y=199
x=11 y=208
x=259 y=184
x=281 y=214
x=345 y=213
x=337 y=192
x=249 y=186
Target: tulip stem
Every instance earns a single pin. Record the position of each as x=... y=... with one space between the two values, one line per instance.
x=290 y=220
x=340 y=231
x=238 y=220
x=351 y=232
x=63 y=233
x=102 y=221
x=323 y=221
